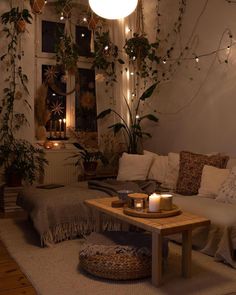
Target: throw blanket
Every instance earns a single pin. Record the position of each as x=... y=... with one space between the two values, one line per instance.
x=59 y=214
x=112 y=186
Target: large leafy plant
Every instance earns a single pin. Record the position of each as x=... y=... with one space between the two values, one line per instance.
x=133 y=130
x=17 y=156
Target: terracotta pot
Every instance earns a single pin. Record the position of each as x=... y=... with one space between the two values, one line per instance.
x=37 y=5
x=90 y=168
x=21 y=26
x=12 y=178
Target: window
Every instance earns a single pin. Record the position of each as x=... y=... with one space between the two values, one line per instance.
x=78 y=107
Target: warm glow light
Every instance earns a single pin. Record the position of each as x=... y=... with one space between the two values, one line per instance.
x=113 y=9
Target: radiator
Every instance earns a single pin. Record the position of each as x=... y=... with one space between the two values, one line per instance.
x=61 y=169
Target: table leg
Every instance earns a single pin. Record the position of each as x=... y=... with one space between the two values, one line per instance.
x=186 y=253
x=156 y=259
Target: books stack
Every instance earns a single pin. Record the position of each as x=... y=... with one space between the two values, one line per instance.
x=8 y=196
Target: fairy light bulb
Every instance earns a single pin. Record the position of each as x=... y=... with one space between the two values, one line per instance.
x=85 y=19
x=164 y=61
x=137 y=116
x=228 y=48
x=62 y=16
x=197 y=59
x=131 y=73
x=106 y=47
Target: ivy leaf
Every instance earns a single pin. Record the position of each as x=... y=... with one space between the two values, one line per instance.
x=150 y=117
x=121 y=61
x=104 y=114
x=78 y=146
x=147 y=93
x=117 y=127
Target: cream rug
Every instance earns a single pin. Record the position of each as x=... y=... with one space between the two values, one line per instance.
x=54 y=271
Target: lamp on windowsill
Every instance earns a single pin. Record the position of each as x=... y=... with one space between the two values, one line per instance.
x=113 y=9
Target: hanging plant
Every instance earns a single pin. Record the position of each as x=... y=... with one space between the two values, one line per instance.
x=64 y=8
x=67 y=54
x=105 y=56
x=18 y=18
x=37 y=6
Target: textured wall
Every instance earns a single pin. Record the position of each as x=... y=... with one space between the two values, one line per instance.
x=197 y=107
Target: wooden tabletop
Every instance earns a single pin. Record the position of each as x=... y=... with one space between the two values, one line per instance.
x=164 y=226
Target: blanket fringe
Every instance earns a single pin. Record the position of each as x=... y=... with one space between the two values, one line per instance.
x=71 y=230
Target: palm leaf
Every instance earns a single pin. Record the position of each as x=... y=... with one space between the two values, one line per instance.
x=104 y=113
x=147 y=93
x=150 y=117
x=117 y=127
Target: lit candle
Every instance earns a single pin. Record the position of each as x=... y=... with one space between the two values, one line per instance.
x=166 y=201
x=154 y=202
x=64 y=121
x=60 y=120
x=138 y=204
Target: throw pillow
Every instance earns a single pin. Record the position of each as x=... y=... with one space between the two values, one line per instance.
x=172 y=172
x=211 y=181
x=190 y=170
x=134 y=167
x=158 y=168
x=227 y=192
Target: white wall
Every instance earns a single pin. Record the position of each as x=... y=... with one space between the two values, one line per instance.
x=198 y=114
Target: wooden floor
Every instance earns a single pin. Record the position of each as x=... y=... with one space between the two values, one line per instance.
x=12 y=280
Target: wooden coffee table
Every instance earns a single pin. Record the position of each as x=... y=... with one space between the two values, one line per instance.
x=159 y=227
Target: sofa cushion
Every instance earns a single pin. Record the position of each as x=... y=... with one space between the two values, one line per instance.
x=227 y=192
x=211 y=181
x=158 y=168
x=172 y=172
x=190 y=170
x=134 y=167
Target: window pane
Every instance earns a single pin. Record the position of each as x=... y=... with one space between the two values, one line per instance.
x=56 y=98
x=83 y=37
x=51 y=32
x=85 y=102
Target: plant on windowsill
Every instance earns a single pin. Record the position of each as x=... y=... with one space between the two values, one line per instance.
x=133 y=131
x=19 y=158
x=88 y=159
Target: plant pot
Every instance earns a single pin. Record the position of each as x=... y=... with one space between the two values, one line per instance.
x=37 y=6
x=13 y=178
x=21 y=26
x=90 y=168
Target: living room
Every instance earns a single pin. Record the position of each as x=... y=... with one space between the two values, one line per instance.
x=139 y=106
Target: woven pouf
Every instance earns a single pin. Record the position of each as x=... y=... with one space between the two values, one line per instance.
x=116 y=262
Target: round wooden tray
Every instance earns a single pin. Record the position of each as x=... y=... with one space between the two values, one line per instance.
x=145 y=214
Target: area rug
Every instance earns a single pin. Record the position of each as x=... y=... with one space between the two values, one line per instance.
x=55 y=271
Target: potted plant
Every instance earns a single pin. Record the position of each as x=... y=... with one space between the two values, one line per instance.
x=18 y=18
x=21 y=161
x=88 y=159
x=133 y=130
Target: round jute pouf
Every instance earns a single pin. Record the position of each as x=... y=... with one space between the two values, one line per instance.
x=116 y=262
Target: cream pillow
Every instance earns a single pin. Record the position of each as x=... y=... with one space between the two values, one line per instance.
x=227 y=191
x=172 y=172
x=211 y=181
x=158 y=168
x=134 y=167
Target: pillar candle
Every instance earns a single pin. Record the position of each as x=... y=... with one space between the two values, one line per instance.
x=166 y=201
x=60 y=120
x=50 y=129
x=64 y=121
x=154 y=203
x=55 y=128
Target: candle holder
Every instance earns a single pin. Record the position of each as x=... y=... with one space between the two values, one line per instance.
x=136 y=199
x=166 y=202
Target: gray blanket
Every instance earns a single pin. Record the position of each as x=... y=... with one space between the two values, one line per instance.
x=60 y=213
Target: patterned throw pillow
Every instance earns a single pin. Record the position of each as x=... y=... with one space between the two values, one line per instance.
x=190 y=170
x=227 y=192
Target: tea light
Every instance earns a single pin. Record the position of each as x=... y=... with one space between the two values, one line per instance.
x=166 y=201
x=154 y=202
x=138 y=204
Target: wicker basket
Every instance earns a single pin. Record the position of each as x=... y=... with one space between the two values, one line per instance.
x=119 y=266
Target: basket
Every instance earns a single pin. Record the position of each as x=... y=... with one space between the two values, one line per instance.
x=126 y=265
